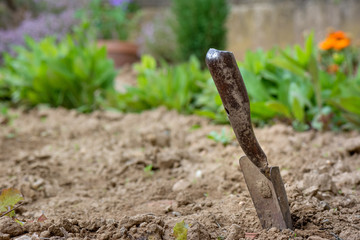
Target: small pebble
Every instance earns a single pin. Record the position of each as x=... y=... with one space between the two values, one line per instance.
x=168 y=209
x=143 y=224
x=196 y=208
x=324 y=205
x=24 y=237
x=176 y=214
x=315 y=238
x=181 y=185
x=45 y=234
x=273 y=230
x=327 y=221
x=311 y=191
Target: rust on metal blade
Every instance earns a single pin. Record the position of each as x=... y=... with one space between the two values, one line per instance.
x=265 y=197
x=279 y=188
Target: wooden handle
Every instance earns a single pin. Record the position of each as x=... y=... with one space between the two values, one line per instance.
x=231 y=87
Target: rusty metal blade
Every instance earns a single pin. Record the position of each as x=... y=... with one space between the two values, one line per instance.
x=279 y=188
x=268 y=195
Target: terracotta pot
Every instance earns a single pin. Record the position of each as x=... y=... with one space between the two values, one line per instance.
x=122 y=53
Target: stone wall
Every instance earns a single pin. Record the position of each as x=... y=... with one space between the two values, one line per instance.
x=265 y=23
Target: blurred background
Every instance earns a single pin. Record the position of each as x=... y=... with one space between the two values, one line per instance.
x=299 y=58
x=264 y=23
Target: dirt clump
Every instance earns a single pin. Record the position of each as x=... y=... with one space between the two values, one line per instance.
x=10 y=227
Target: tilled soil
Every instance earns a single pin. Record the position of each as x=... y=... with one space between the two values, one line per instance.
x=90 y=175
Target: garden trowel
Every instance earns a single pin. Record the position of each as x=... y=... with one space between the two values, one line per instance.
x=264 y=183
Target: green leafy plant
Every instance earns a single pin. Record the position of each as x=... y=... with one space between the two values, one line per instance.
x=200 y=25
x=326 y=100
x=291 y=85
x=8 y=199
x=208 y=103
x=3 y=110
x=337 y=53
x=294 y=86
x=223 y=137
x=68 y=73
x=180 y=230
x=5 y=94
x=112 y=19
x=194 y=127
x=5 y=116
x=148 y=170
x=174 y=87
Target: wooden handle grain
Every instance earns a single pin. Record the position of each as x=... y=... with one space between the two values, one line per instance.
x=231 y=87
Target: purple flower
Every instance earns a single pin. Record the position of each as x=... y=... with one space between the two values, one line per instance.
x=57 y=25
x=119 y=2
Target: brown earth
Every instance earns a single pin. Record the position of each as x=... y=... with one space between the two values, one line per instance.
x=88 y=175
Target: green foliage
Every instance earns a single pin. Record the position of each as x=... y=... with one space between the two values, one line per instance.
x=111 y=19
x=200 y=26
x=5 y=94
x=8 y=199
x=208 y=103
x=292 y=85
x=174 y=87
x=3 y=110
x=195 y=127
x=6 y=117
x=67 y=73
x=148 y=170
x=180 y=230
x=224 y=138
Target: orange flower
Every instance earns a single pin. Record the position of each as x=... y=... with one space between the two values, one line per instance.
x=342 y=43
x=335 y=40
x=327 y=44
x=337 y=35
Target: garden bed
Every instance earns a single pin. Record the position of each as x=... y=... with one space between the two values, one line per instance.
x=134 y=176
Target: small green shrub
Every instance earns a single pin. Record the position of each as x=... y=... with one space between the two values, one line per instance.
x=4 y=110
x=5 y=94
x=224 y=138
x=8 y=199
x=65 y=73
x=208 y=103
x=148 y=170
x=180 y=230
x=200 y=25
x=111 y=19
x=174 y=87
